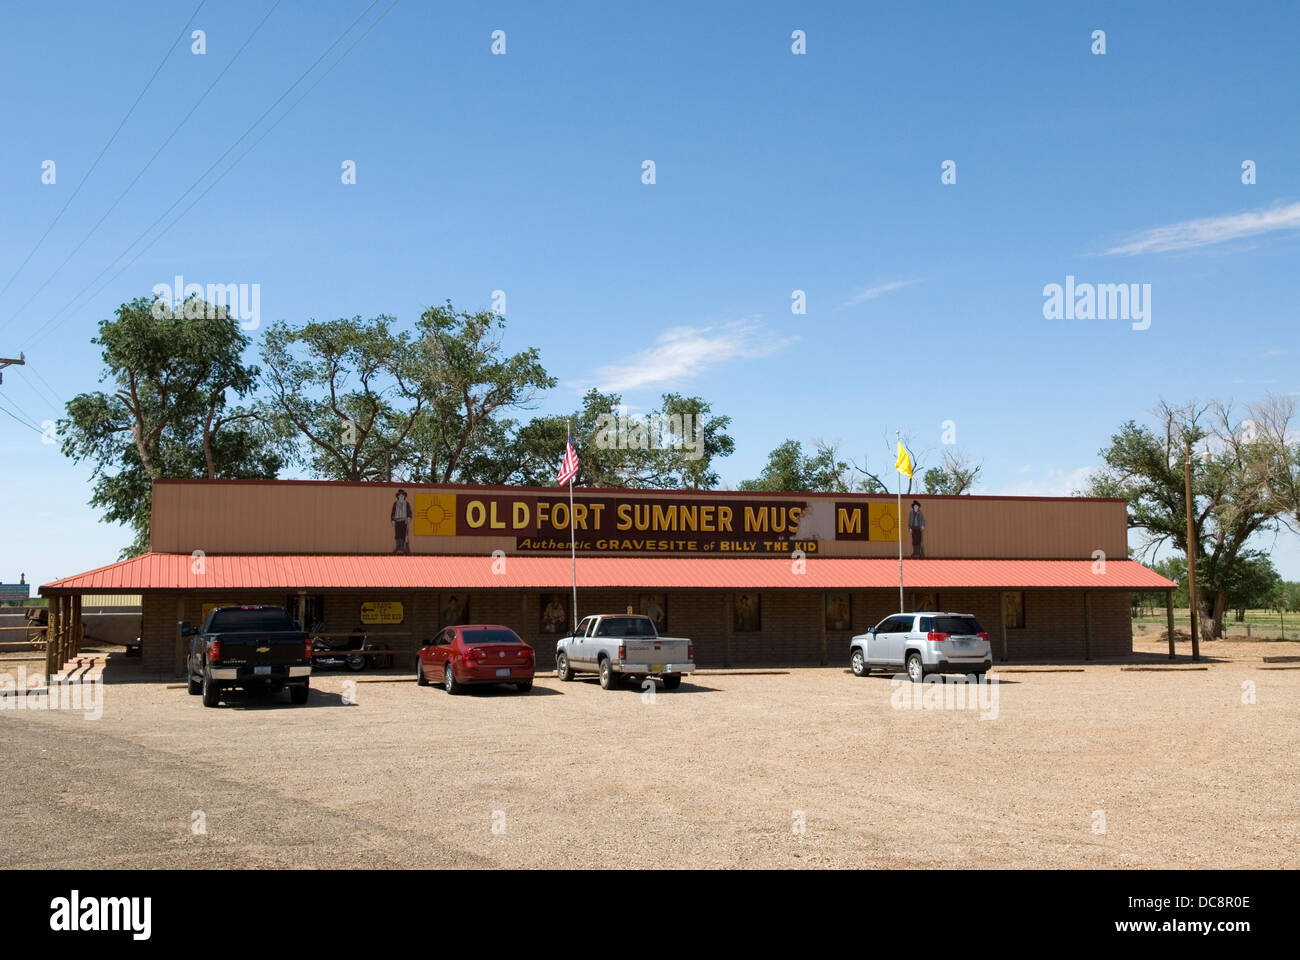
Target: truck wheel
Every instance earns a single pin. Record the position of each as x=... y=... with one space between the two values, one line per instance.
x=672 y=681
x=420 y=678
x=195 y=684
x=211 y=692
x=298 y=694
x=915 y=669
x=859 y=663
x=449 y=681
x=562 y=668
x=608 y=678
x=356 y=664
x=523 y=686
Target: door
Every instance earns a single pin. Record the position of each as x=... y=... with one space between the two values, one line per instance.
x=892 y=639
x=878 y=642
x=577 y=644
x=907 y=637
x=438 y=655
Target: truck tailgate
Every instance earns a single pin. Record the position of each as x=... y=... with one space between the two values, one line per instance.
x=261 y=648
x=656 y=653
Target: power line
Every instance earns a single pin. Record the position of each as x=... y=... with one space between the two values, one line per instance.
x=40 y=331
x=45 y=395
x=86 y=177
x=20 y=420
x=175 y=130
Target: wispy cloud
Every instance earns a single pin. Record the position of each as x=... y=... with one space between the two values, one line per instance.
x=1211 y=230
x=681 y=353
x=871 y=293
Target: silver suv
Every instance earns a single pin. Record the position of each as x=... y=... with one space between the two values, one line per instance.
x=928 y=642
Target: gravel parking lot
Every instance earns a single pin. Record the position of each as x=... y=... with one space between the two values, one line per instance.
x=1093 y=766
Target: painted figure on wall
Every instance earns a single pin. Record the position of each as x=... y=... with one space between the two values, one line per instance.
x=555 y=613
x=401 y=515
x=916 y=523
x=838 y=611
x=455 y=611
x=748 y=616
x=655 y=606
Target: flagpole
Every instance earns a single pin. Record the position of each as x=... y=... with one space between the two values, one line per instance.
x=573 y=535
x=899 y=487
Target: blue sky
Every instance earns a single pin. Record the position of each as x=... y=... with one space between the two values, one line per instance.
x=774 y=173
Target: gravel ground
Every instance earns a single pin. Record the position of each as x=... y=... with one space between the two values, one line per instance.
x=719 y=773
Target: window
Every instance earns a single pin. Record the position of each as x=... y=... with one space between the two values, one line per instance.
x=961 y=626
x=1013 y=610
x=918 y=601
x=490 y=636
x=266 y=619
x=313 y=610
x=625 y=627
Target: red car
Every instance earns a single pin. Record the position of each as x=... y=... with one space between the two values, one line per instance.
x=459 y=656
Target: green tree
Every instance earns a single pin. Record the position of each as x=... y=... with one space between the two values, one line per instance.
x=1268 y=440
x=468 y=384
x=677 y=446
x=1230 y=502
x=957 y=474
x=1254 y=584
x=788 y=468
x=175 y=374
x=346 y=394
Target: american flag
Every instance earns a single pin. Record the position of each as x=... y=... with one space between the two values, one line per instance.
x=568 y=465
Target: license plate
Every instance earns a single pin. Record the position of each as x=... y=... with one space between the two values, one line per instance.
x=503 y=671
x=262 y=671
x=964 y=643
x=656 y=667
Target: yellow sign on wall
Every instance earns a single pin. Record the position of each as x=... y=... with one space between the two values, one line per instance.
x=381 y=611
x=434 y=515
x=209 y=607
x=883 y=521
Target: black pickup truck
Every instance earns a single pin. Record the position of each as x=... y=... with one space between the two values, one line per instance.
x=253 y=647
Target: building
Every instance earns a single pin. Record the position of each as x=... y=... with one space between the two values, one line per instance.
x=752 y=578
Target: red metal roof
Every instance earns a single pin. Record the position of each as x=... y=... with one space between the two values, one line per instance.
x=165 y=571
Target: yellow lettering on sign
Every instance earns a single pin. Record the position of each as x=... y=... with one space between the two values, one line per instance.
x=520 y=515
x=624 y=516
x=381 y=611
x=755 y=520
x=475 y=514
x=724 y=519
x=848 y=521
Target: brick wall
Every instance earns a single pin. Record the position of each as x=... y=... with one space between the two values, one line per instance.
x=790 y=634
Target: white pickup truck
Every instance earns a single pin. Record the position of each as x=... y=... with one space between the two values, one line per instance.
x=622 y=646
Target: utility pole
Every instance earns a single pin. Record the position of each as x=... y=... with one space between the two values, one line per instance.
x=1193 y=609
x=7 y=361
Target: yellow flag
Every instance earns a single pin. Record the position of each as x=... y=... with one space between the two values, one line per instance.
x=904 y=462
